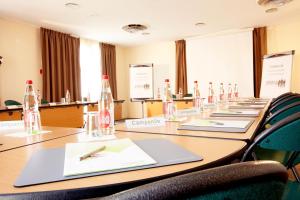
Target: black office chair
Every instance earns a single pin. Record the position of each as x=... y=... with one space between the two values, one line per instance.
x=12 y=103
x=250 y=180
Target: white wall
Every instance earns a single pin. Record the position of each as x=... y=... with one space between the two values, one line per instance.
x=162 y=55
x=226 y=58
x=122 y=79
x=20 y=48
x=285 y=37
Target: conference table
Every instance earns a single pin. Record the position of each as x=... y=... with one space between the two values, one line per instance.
x=214 y=152
x=216 y=148
x=16 y=137
x=171 y=128
x=60 y=114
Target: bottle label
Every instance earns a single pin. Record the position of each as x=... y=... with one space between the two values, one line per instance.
x=105 y=119
x=221 y=97
x=210 y=99
x=229 y=95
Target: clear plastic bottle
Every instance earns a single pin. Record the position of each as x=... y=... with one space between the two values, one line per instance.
x=236 y=91
x=221 y=96
x=210 y=98
x=158 y=93
x=196 y=96
x=229 y=91
x=38 y=96
x=68 y=97
x=168 y=104
x=31 y=113
x=180 y=93
x=106 y=108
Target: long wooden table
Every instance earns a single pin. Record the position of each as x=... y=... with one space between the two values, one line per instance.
x=154 y=106
x=9 y=142
x=62 y=115
x=171 y=128
x=213 y=151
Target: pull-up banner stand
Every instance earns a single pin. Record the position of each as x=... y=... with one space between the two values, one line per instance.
x=276 y=74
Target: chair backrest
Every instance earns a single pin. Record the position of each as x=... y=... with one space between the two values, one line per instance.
x=12 y=103
x=282 y=136
x=44 y=101
x=236 y=181
x=287 y=101
x=280 y=97
x=281 y=114
x=188 y=95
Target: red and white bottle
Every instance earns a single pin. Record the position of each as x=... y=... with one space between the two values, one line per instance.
x=31 y=113
x=229 y=91
x=168 y=104
x=221 y=95
x=236 y=91
x=210 y=98
x=106 y=108
x=196 y=96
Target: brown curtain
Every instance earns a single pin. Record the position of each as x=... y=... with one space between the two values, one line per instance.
x=259 y=50
x=108 y=60
x=61 y=65
x=181 y=74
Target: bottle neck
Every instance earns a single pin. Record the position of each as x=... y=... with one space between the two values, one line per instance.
x=29 y=88
x=168 y=94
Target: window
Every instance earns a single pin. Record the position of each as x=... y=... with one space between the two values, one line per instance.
x=90 y=64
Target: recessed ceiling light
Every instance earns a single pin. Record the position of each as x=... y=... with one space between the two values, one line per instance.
x=273 y=2
x=133 y=28
x=271 y=10
x=145 y=33
x=72 y=5
x=200 y=24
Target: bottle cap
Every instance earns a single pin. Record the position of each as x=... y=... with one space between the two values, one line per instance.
x=195 y=81
x=29 y=82
x=105 y=77
x=167 y=80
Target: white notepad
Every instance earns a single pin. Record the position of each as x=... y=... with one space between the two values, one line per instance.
x=246 y=107
x=235 y=113
x=4 y=125
x=223 y=125
x=117 y=154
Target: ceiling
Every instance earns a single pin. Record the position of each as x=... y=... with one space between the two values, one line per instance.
x=167 y=20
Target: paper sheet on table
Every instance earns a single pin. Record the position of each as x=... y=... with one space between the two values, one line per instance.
x=22 y=134
x=237 y=112
x=118 y=154
x=11 y=124
x=218 y=123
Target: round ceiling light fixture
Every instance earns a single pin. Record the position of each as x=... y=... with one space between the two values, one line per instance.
x=72 y=5
x=271 y=10
x=133 y=28
x=200 y=24
x=273 y=3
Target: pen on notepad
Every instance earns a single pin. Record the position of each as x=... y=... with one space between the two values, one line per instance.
x=85 y=156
